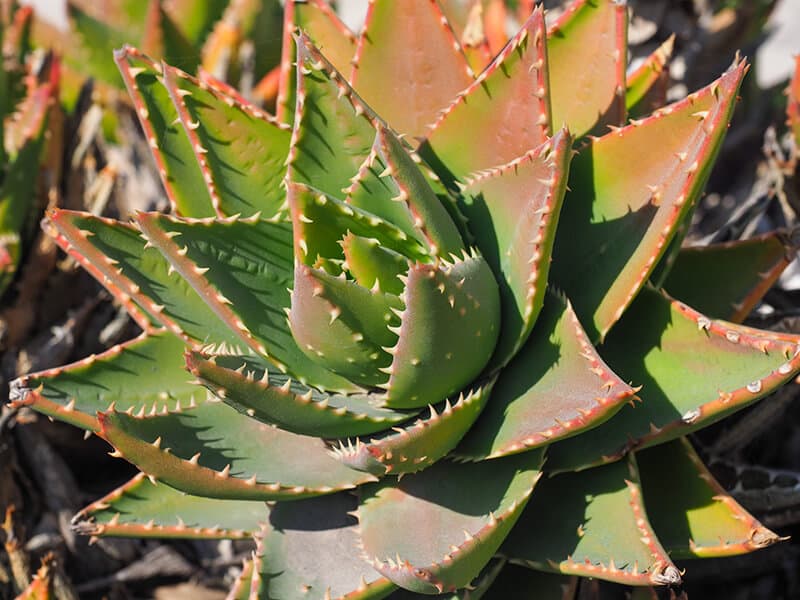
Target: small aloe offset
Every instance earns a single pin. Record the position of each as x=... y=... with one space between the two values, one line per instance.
x=27 y=97
x=374 y=315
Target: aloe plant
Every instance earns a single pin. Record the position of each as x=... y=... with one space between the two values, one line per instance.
x=355 y=347
x=27 y=98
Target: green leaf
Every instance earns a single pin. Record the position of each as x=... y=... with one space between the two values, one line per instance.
x=506 y=109
x=191 y=450
x=476 y=589
x=693 y=514
x=614 y=229
x=144 y=375
x=591 y=524
x=140 y=508
x=342 y=325
x=335 y=568
x=240 y=148
x=587 y=53
x=117 y=256
x=693 y=372
x=453 y=518
x=729 y=279
x=246 y=288
x=448 y=331
x=326 y=31
x=417 y=445
x=172 y=151
x=408 y=65
x=513 y=212
x=274 y=398
x=333 y=129
x=556 y=387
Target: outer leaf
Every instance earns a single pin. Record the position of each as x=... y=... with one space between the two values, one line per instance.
x=240 y=149
x=172 y=151
x=506 y=109
x=408 y=64
x=513 y=212
x=692 y=513
x=275 y=398
x=556 y=387
x=728 y=280
x=323 y=27
x=140 y=508
x=145 y=374
x=418 y=445
x=117 y=256
x=591 y=524
x=446 y=536
x=614 y=229
x=247 y=289
x=587 y=49
x=334 y=570
x=191 y=451
x=647 y=84
x=693 y=372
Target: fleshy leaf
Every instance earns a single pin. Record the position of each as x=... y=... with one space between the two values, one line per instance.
x=693 y=372
x=446 y=536
x=478 y=588
x=172 y=151
x=448 y=331
x=506 y=109
x=334 y=570
x=647 y=84
x=513 y=212
x=323 y=27
x=614 y=229
x=408 y=65
x=342 y=325
x=274 y=398
x=333 y=128
x=587 y=49
x=692 y=513
x=729 y=279
x=240 y=148
x=557 y=386
x=145 y=374
x=591 y=524
x=371 y=264
x=247 y=289
x=117 y=256
x=191 y=451
x=140 y=508
x=416 y=446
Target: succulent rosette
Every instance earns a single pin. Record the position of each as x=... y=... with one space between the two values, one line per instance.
x=428 y=313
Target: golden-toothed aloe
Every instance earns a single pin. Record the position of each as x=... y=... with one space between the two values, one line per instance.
x=27 y=96
x=361 y=288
